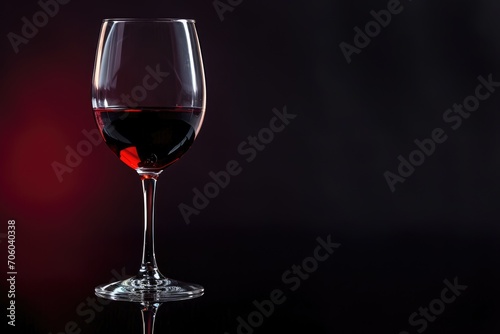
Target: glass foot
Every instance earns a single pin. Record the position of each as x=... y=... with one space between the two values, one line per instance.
x=146 y=290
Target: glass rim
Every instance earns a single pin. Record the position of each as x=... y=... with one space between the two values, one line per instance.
x=130 y=19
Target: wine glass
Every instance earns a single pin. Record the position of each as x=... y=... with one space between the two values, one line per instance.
x=148 y=97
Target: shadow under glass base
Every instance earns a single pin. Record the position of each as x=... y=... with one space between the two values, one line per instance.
x=144 y=290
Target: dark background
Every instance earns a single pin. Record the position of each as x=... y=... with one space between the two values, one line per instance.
x=323 y=175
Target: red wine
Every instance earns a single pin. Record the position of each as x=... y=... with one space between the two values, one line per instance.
x=149 y=138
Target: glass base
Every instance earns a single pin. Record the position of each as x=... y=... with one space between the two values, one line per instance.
x=143 y=290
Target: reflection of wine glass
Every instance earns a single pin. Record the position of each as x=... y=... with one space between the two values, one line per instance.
x=148 y=312
x=148 y=96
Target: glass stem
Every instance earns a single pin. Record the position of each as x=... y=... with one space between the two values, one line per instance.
x=149 y=269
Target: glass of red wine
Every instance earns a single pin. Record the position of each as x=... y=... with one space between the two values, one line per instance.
x=148 y=97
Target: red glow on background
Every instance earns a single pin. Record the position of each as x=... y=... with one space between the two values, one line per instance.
x=31 y=154
x=47 y=107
